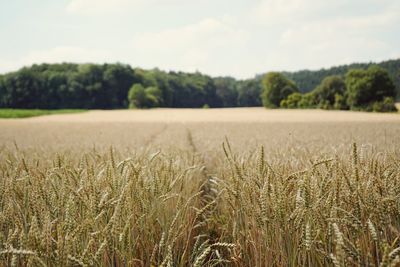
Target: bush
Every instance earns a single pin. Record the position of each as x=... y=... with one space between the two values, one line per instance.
x=307 y=101
x=387 y=105
x=366 y=87
x=284 y=103
x=276 y=88
x=291 y=101
x=139 y=97
x=340 y=102
x=326 y=91
x=324 y=104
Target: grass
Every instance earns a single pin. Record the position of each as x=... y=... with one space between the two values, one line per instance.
x=9 y=113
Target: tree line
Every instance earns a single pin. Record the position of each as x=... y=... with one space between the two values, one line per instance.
x=369 y=89
x=107 y=86
x=307 y=80
x=111 y=86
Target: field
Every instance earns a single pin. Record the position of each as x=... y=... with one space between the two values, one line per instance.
x=210 y=187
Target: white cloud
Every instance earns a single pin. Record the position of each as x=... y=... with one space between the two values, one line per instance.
x=101 y=7
x=286 y=12
x=200 y=46
x=217 y=37
x=306 y=35
x=98 y=6
x=273 y=12
x=57 y=55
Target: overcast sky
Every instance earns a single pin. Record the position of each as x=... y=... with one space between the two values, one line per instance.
x=219 y=37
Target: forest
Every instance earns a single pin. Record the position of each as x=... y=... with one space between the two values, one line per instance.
x=112 y=86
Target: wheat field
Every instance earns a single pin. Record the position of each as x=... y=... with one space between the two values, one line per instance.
x=232 y=187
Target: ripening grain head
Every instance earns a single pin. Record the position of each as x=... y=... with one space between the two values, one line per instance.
x=199 y=194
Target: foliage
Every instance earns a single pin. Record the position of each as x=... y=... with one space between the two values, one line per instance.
x=57 y=86
x=308 y=100
x=292 y=101
x=340 y=102
x=329 y=87
x=139 y=97
x=276 y=87
x=249 y=92
x=367 y=90
x=93 y=86
x=227 y=90
x=307 y=80
x=365 y=87
x=387 y=105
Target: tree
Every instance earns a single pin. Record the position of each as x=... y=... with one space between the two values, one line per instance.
x=249 y=92
x=3 y=93
x=329 y=87
x=226 y=89
x=154 y=96
x=106 y=86
x=387 y=105
x=364 y=87
x=308 y=100
x=137 y=96
x=340 y=102
x=292 y=101
x=276 y=87
x=307 y=80
x=25 y=89
x=118 y=79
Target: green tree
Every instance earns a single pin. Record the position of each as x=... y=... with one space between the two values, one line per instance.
x=308 y=100
x=276 y=87
x=292 y=101
x=226 y=89
x=387 y=105
x=365 y=87
x=117 y=79
x=329 y=87
x=154 y=96
x=340 y=102
x=307 y=80
x=140 y=97
x=137 y=96
x=249 y=92
x=3 y=93
x=25 y=89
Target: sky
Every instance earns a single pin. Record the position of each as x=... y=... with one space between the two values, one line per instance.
x=239 y=38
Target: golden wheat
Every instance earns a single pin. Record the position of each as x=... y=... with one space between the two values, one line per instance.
x=200 y=194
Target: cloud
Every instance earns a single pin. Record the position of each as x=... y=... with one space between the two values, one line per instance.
x=98 y=6
x=208 y=45
x=315 y=34
x=277 y=12
x=286 y=12
x=222 y=37
x=57 y=55
x=101 y=7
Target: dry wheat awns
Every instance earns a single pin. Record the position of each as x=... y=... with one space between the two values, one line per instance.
x=200 y=194
x=168 y=209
